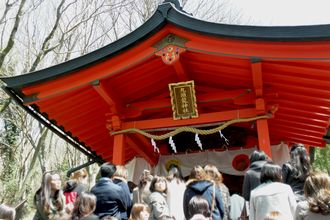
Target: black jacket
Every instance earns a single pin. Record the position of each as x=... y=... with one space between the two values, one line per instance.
x=90 y=217
x=111 y=199
x=122 y=182
x=296 y=184
x=203 y=188
x=252 y=178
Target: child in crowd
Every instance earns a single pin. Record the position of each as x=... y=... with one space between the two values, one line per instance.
x=140 y=211
x=84 y=207
x=198 y=208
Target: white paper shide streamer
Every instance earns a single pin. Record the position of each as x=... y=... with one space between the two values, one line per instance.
x=171 y=142
x=154 y=144
x=198 y=141
x=223 y=137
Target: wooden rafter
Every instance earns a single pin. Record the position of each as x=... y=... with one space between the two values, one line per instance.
x=143 y=150
x=106 y=92
x=181 y=70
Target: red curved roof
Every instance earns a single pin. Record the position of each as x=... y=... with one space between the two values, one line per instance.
x=288 y=69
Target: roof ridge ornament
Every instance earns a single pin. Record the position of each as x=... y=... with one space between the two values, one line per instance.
x=177 y=5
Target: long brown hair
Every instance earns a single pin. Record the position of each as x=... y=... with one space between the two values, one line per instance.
x=45 y=193
x=137 y=209
x=145 y=178
x=213 y=172
x=77 y=177
x=317 y=192
x=198 y=173
x=85 y=204
x=121 y=172
x=175 y=173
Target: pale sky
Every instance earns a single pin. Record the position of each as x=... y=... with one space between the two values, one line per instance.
x=285 y=12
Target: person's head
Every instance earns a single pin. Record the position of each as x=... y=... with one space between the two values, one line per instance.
x=175 y=173
x=61 y=216
x=85 y=204
x=121 y=172
x=108 y=170
x=198 y=173
x=50 y=185
x=159 y=184
x=7 y=211
x=258 y=155
x=131 y=186
x=140 y=211
x=145 y=178
x=80 y=176
x=274 y=216
x=213 y=172
x=317 y=192
x=198 y=205
x=300 y=161
x=270 y=172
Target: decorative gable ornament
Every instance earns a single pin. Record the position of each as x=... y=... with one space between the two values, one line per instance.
x=170 y=47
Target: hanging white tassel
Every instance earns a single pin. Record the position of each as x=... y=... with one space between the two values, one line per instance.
x=171 y=142
x=223 y=137
x=154 y=144
x=198 y=141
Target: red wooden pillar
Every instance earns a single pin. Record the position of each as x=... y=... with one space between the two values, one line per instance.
x=119 y=149
x=263 y=136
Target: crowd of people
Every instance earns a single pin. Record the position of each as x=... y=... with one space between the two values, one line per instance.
x=269 y=192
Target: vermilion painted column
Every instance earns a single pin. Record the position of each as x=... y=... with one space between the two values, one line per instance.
x=119 y=149
x=263 y=136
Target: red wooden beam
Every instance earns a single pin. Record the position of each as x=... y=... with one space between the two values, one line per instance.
x=106 y=92
x=203 y=119
x=141 y=149
x=238 y=94
x=181 y=70
x=257 y=77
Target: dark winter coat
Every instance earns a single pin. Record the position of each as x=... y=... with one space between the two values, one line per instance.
x=122 y=182
x=296 y=184
x=72 y=190
x=252 y=179
x=111 y=199
x=90 y=217
x=203 y=188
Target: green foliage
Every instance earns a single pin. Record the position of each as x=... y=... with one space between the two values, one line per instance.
x=322 y=159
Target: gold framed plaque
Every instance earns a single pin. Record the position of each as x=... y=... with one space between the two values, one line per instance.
x=183 y=100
